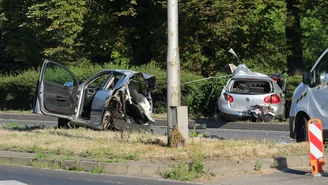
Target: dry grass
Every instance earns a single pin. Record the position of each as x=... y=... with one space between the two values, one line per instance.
x=116 y=146
x=16 y=111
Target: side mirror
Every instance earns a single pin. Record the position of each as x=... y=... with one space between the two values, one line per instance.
x=69 y=84
x=307 y=78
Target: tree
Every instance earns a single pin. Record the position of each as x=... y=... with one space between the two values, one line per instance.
x=56 y=25
x=208 y=29
x=21 y=42
x=293 y=37
x=314 y=21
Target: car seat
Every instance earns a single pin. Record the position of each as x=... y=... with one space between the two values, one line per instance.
x=244 y=88
x=135 y=110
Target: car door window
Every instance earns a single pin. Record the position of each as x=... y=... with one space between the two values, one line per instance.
x=60 y=88
x=58 y=75
x=321 y=71
x=98 y=82
x=112 y=81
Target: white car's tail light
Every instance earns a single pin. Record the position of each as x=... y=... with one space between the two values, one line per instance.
x=272 y=99
x=228 y=98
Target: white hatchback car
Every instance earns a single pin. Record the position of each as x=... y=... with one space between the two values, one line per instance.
x=310 y=100
x=252 y=96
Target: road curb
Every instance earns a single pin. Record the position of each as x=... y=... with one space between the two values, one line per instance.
x=221 y=168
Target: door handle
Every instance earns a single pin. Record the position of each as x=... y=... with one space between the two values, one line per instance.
x=61 y=98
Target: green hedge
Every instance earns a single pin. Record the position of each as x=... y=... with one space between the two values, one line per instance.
x=17 y=91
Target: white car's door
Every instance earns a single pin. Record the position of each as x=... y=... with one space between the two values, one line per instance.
x=56 y=91
x=318 y=90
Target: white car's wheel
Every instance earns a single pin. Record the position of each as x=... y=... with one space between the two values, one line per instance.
x=300 y=128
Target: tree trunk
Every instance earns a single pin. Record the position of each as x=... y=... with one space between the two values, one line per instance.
x=293 y=36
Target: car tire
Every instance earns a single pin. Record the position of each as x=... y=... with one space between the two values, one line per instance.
x=300 y=128
x=63 y=123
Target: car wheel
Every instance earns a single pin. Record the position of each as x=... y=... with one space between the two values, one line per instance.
x=62 y=123
x=300 y=129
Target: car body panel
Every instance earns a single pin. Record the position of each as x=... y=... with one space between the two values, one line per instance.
x=311 y=99
x=54 y=98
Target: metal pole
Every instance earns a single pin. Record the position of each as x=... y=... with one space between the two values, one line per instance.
x=173 y=64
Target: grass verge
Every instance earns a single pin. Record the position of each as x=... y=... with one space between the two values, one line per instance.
x=106 y=146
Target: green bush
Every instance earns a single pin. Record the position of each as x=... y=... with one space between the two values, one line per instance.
x=16 y=92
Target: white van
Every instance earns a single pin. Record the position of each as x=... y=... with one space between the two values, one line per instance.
x=310 y=100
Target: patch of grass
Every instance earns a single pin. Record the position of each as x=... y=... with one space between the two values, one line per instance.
x=258 y=165
x=122 y=136
x=133 y=156
x=60 y=151
x=19 y=127
x=189 y=171
x=107 y=146
x=11 y=125
x=16 y=111
x=199 y=134
x=39 y=156
x=76 y=167
x=97 y=170
x=39 y=164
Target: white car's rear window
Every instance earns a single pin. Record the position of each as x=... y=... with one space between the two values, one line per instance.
x=250 y=87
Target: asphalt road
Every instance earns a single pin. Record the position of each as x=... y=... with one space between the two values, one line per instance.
x=17 y=175
x=218 y=133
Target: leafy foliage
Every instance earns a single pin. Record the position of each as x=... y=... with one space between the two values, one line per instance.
x=88 y=35
x=56 y=24
x=132 y=33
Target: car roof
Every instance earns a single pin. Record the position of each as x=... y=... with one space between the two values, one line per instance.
x=242 y=72
x=129 y=73
x=123 y=71
x=251 y=77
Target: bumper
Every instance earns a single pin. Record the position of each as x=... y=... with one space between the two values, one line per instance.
x=233 y=117
x=231 y=114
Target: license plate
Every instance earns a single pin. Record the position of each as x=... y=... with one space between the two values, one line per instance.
x=243 y=113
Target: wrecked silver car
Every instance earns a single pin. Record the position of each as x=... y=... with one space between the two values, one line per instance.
x=252 y=96
x=109 y=100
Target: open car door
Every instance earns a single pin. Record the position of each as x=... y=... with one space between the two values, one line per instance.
x=56 y=91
